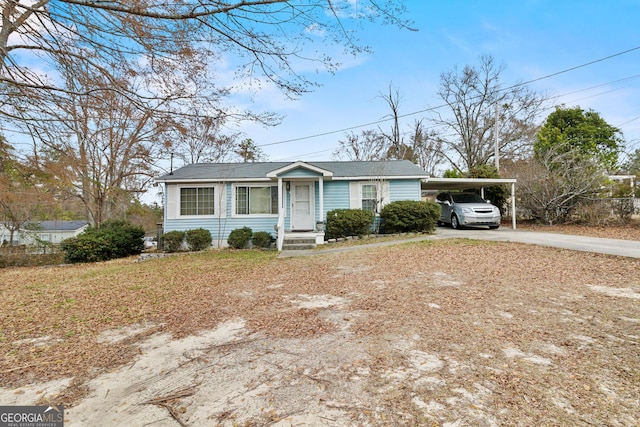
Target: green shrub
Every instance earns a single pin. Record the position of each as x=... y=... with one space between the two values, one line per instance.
x=348 y=222
x=85 y=248
x=406 y=216
x=110 y=240
x=239 y=238
x=198 y=239
x=172 y=241
x=124 y=238
x=262 y=239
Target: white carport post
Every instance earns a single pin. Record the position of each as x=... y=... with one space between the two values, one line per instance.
x=513 y=205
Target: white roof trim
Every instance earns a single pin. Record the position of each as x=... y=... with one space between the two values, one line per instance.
x=211 y=180
x=378 y=177
x=299 y=164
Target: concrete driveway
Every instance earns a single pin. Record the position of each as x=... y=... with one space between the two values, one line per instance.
x=626 y=248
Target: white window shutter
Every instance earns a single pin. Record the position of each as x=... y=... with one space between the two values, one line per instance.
x=355 y=195
x=221 y=200
x=385 y=193
x=173 y=194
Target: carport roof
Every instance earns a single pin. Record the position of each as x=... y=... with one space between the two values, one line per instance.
x=463 y=183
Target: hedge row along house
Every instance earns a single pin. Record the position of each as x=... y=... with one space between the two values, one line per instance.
x=281 y=198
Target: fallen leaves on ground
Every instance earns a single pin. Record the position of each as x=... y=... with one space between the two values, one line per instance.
x=515 y=334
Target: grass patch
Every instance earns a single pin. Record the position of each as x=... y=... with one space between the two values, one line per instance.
x=367 y=240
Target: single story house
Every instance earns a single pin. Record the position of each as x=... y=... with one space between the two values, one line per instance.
x=44 y=231
x=281 y=197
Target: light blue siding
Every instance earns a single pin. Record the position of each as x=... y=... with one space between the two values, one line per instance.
x=404 y=189
x=336 y=196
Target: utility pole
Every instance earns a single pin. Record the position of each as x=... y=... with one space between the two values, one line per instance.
x=497 y=147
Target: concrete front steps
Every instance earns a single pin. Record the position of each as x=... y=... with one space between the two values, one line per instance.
x=299 y=241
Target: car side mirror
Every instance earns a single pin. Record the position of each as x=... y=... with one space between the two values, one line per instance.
x=448 y=203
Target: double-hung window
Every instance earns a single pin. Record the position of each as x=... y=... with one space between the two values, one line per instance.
x=369 y=197
x=256 y=200
x=197 y=201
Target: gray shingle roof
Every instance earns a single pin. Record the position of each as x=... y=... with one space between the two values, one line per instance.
x=60 y=225
x=259 y=170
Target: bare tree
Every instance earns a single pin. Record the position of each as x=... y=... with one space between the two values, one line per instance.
x=554 y=184
x=427 y=148
x=397 y=149
x=369 y=145
x=151 y=60
x=167 y=42
x=248 y=151
x=23 y=198
x=422 y=147
x=467 y=128
x=100 y=150
x=201 y=138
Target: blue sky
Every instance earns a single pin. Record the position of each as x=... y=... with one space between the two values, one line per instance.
x=533 y=39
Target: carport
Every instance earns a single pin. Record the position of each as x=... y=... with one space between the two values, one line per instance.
x=448 y=184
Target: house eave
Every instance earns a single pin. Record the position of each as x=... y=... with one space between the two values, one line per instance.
x=373 y=178
x=206 y=180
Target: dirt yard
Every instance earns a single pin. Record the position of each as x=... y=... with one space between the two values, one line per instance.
x=438 y=333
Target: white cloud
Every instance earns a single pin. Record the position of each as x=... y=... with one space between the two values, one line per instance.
x=315 y=29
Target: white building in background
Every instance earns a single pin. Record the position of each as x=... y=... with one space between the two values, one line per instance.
x=45 y=231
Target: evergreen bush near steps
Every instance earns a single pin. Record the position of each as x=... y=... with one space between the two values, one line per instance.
x=240 y=238
x=262 y=239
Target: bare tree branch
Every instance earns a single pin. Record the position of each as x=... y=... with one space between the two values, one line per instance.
x=467 y=132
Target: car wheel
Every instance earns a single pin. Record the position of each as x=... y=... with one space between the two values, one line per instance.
x=454 y=222
x=493 y=227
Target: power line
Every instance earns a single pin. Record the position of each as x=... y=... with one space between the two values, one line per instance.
x=629 y=121
x=444 y=105
x=597 y=86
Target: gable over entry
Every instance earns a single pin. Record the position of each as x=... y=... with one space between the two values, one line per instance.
x=469 y=183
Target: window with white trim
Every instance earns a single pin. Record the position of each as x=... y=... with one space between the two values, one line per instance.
x=369 y=197
x=197 y=201
x=256 y=200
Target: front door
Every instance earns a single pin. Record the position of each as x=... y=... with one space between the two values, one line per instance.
x=302 y=206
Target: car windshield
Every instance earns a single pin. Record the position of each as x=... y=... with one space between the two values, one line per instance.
x=467 y=198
